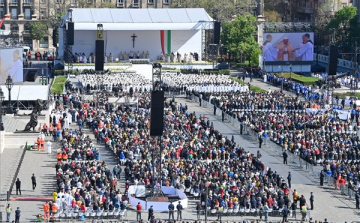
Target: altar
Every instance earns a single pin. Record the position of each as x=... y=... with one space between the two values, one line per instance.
x=138 y=33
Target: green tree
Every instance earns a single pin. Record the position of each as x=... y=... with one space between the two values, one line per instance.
x=272 y=16
x=238 y=36
x=38 y=31
x=345 y=25
x=224 y=10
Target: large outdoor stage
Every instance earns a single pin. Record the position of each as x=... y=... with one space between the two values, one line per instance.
x=155 y=32
x=137 y=193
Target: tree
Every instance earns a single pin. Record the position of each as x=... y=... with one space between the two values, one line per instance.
x=225 y=10
x=345 y=25
x=272 y=16
x=323 y=16
x=38 y=31
x=238 y=36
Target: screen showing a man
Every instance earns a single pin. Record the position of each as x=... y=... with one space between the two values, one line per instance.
x=306 y=51
x=288 y=47
x=11 y=64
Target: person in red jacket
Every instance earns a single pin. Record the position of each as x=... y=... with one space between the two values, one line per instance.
x=138 y=212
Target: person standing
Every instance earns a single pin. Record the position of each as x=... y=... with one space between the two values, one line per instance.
x=171 y=209
x=285 y=214
x=293 y=208
x=312 y=200
x=48 y=147
x=241 y=127
x=18 y=186
x=33 y=181
x=17 y=215
x=8 y=210
x=198 y=210
x=322 y=176
x=138 y=212
x=357 y=198
x=151 y=213
x=179 y=208
x=289 y=179
x=260 y=141
x=285 y=156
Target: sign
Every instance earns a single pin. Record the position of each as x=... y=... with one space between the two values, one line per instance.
x=99 y=34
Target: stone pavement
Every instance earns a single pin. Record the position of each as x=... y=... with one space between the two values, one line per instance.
x=328 y=203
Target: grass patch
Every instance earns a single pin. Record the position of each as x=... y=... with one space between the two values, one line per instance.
x=252 y=87
x=58 y=85
x=346 y=94
x=299 y=78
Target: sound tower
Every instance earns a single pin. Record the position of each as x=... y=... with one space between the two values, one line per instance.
x=54 y=37
x=216 y=32
x=157 y=113
x=333 y=60
x=99 y=55
x=70 y=33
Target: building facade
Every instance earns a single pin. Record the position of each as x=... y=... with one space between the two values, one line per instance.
x=25 y=12
x=306 y=9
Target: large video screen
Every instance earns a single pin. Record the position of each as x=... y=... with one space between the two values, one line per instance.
x=288 y=47
x=11 y=63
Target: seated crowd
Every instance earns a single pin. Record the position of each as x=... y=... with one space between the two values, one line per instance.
x=203 y=82
x=121 y=81
x=191 y=153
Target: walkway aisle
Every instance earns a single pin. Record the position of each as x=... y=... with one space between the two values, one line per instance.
x=328 y=204
x=43 y=166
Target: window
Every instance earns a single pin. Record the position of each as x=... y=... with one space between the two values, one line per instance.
x=89 y=1
x=58 y=11
x=27 y=41
x=166 y=2
x=27 y=13
x=14 y=2
x=42 y=1
x=14 y=28
x=106 y=1
x=27 y=2
x=14 y=13
x=44 y=43
x=151 y=2
x=42 y=13
x=58 y=1
x=2 y=2
x=26 y=27
x=136 y=3
x=120 y=2
x=1 y=12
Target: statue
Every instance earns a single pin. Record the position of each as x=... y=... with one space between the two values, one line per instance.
x=34 y=116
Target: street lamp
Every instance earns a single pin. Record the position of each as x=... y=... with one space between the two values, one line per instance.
x=2 y=97
x=9 y=84
x=207 y=185
x=291 y=74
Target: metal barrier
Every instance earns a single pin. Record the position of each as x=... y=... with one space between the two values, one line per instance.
x=8 y=194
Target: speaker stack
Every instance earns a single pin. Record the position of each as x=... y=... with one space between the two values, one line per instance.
x=70 y=34
x=99 y=55
x=333 y=60
x=157 y=113
x=217 y=32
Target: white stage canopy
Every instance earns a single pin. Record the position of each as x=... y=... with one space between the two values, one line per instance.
x=26 y=92
x=141 y=19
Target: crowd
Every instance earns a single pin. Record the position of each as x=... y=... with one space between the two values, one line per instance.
x=203 y=82
x=191 y=152
x=121 y=81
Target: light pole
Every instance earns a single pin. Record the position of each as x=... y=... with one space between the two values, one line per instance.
x=207 y=184
x=9 y=84
x=2 y=97
x=291 y=75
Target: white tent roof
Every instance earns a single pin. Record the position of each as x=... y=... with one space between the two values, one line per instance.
x=26 y=92
x=141 y=19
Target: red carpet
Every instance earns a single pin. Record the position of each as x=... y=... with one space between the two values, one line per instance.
x=31 y=199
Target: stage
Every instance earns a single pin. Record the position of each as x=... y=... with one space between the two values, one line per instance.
x=137 y=193
x=153 y=32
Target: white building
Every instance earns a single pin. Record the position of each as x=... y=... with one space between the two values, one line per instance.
x=157 y=30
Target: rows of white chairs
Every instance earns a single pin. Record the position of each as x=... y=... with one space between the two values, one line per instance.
x=237 y=210
x=72 y=214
